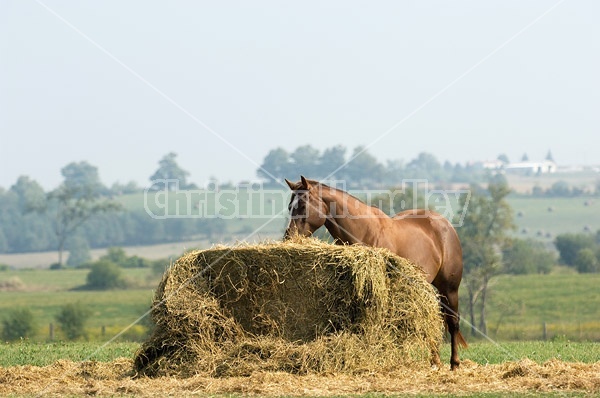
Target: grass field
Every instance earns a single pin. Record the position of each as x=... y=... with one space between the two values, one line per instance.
x=518 y=306
x=544 y=218
x=45 y=291
x=483 y=353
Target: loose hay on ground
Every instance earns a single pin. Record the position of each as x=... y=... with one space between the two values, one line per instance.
x=115 y=378
x=300 y=306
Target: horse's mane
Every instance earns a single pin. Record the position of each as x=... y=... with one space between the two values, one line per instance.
x=343 y=193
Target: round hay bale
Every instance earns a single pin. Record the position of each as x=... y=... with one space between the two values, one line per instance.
x=301 y=306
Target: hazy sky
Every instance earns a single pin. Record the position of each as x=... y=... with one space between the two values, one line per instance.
x=221 y=82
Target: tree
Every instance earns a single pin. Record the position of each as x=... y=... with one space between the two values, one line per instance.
x=3 y=242
x=487 y=220
x=30 y=194
x=22 y=224
x=560 y=189
x=305 y=161
x=115 y=255
x=105 y=275
x=275 y=166
x=586 y=261
x=524 y=158
x=18 y=324
x=82 y=174
x=569 y=245
x=79 y=251
x=169 y=170
x=332 y=162
x=549 y=156
x=122 y=189
x=362 y=168
x=425 y=165
x=72 y=318
x=401 y=199
x=503 y=158
x=69 y=206
x=527 y=257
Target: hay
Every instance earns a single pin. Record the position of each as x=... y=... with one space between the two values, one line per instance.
x=109 y=379
x=300 y=306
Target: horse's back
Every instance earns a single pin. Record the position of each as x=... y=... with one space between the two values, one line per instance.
x=443 y=259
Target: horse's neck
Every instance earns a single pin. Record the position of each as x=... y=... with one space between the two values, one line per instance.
x=349 y=219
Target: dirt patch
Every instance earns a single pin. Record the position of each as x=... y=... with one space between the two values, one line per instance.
x=118 y=378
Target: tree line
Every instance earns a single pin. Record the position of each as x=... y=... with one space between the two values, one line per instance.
x=82 y=213
x=360 y=168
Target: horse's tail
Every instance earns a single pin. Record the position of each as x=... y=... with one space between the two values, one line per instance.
x=461 y=340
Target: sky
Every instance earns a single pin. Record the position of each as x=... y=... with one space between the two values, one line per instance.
x=121 y=84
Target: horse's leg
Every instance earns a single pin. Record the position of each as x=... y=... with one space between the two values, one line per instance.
x=449 y=302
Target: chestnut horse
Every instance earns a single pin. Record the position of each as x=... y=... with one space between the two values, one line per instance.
x=422 y=236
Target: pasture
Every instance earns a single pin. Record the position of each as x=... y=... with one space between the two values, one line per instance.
x=544 y=218
x=562 y=307
x=45 y=291
x=518 y=305
x=561 y=366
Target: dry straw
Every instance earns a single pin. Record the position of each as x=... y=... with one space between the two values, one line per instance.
x=301 y=306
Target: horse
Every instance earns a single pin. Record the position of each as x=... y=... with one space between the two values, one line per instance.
x=421 y=236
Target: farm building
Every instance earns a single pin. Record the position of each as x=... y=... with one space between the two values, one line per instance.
x=526 y=168
x=547 y=166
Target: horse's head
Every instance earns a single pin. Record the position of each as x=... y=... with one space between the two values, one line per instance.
x=308 y=212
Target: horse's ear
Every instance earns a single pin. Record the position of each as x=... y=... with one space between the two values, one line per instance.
x=305 y=183
x=290 y=184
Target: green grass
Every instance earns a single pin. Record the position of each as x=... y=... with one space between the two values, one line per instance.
x=568 y=215
x=537 y=351
x=41 y=354
x=47 y=291
x=518 y=306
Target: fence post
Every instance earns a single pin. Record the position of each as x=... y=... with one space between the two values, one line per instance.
x=103 y=330
x=545 y=332
x=51 y=331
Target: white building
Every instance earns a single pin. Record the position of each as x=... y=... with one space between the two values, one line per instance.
x=547 y=166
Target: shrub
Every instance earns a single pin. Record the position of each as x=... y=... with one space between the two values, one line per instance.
x=586 y=261
x=136 y=262
x=18 y=323
x=569 y=245
x=118 y=256
x=160 y=266
x=105 y=275
x=527 y=257
x=72 y=318
x=115 y=255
